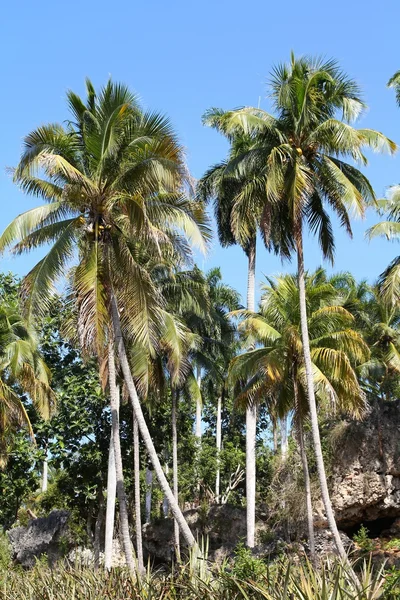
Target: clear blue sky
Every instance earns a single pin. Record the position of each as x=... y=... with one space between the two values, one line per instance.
x=183 y=57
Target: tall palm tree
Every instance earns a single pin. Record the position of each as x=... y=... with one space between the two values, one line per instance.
x=299 y=159
x=114 y=175
x=239 y=223
x=22 y=365
x=275 y=370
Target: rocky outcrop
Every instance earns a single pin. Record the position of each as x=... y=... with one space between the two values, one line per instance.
x=41 y=536
x=366 y=479
x=223 y=526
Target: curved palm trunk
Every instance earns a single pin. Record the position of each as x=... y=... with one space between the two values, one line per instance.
x=251 y=418
x=175 y=400
x=311 y=398
x=144 y=432
x=110 y=506
x=219 y=444
x=123 y=507
x=138 y=516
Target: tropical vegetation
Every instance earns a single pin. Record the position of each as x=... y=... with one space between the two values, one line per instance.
x=120 y=357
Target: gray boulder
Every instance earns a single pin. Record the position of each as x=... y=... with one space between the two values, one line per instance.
x=40 y=536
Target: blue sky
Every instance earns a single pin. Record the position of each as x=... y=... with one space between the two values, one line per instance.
x=183 y=57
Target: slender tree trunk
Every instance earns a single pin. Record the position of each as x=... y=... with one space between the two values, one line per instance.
x=284 y=439
x=219 y=444
x=275 y=432
x=175 y=401
x=149 y=492
x=165 y=503
x=110 y=507
x=307 y=489
x=97 y=532
x=311 y=397
x=138 y=516
x=198 y=408
x=45 y=473
x=123 y=507
x=251 y=418
x=144 y=432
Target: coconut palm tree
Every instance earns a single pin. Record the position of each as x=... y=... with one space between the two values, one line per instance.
x=21 y=365
x=299 y=158
x=275 y=370
x=389 y=281
x=113 y=175
x=239 y=224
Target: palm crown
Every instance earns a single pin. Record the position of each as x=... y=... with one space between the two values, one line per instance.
x=297 y=155
x=112 y=177
x=276 y=365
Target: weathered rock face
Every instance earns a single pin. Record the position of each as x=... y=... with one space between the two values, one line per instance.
x=366 y=480
x=41 y=536
x=224 y=526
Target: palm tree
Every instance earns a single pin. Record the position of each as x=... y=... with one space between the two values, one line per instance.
x=275 y=370
x=299 y=159
x=389 y=281
x=21 y=365
x=113 y=175
x=238 y=223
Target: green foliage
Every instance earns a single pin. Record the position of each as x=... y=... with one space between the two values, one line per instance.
x=195 y=580
x=393 y=544
x=5 y=552
x=246 y=566
x=363 y=540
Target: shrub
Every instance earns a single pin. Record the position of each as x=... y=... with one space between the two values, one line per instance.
x=393 y=544
x=363 y=540
x=247 y=566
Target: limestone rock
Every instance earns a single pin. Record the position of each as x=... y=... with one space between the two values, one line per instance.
x=41 y=536
x=366 y=479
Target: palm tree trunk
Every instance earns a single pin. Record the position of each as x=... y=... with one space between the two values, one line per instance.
x=275 y=432
x=219 y=444
x=307 y=488
x=45 y=473
x=165 y=499
x=123 y=507
x=149 y=492
x=138 y=516
x=144 y=432
x=284 y=439
x=110 y=507
x=175 y=400
x=97 y=531
x=251 y=418
x=198 y=408
x=311 y=397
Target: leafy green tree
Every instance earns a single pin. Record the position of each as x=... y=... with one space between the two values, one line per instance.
x=299 y=159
